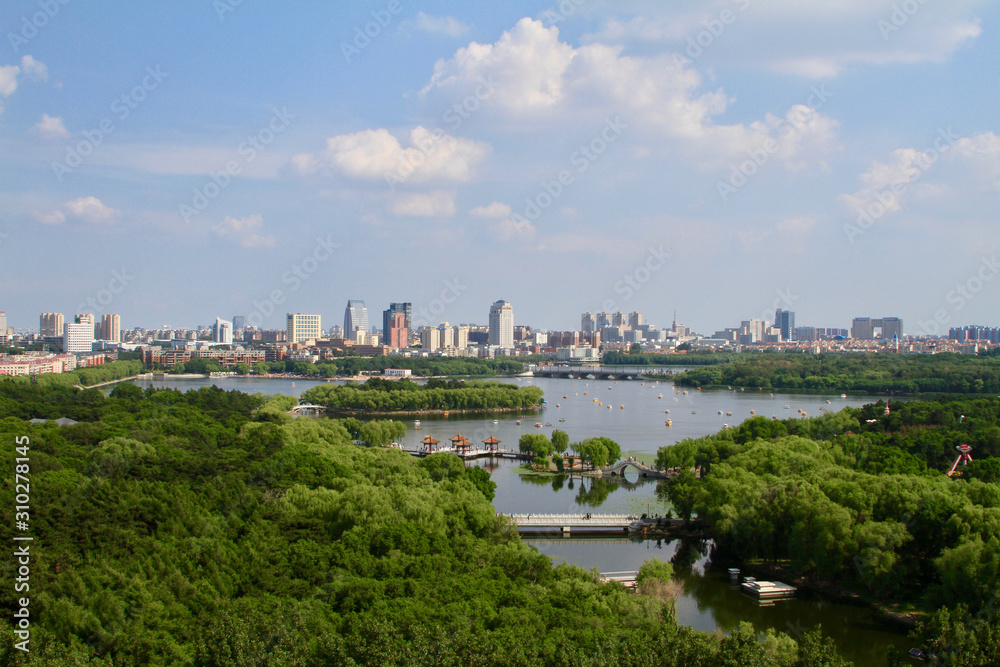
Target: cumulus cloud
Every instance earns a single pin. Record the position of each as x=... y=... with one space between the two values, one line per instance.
x=90 y=209
x=8 y=79
x=493 y=210
x=244 y=231
x=543 y=77
x=442 y=25
x=431 y=155
x=423 y=204
x=972 y=164
x=34 y=70
x=50 y=127
x=29 y=68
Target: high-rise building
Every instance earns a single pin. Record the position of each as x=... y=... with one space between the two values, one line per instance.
x=587 y=322
x=355 y=317
x=222 y=332
x=397 y=333
x=502 y=324
x=430 y=338
x=111 y=328
x=446 y=334
x=3 y=326
x=405 y=308
x=635 y=320
x=301 y=327
x=51 y=324
x=864 y=328
x=603 y=320
x=239 y=322
x=86 y=318
x=785 y=321
x=78 y=337
x=618 y=319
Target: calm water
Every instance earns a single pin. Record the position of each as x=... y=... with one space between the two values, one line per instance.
x=707 y=602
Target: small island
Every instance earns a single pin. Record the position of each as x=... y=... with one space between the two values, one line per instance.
x=379 y=397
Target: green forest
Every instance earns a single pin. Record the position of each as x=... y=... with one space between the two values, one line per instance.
x=378 y=395
x=209 y=528
x=873 y=373
x=859 y=498
x=351 y=366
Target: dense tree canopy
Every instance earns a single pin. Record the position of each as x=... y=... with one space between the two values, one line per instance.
x=377 y=395
x=869 y=372
x=209 y=528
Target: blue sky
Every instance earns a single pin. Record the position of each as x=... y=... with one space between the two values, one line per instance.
x=174 y=162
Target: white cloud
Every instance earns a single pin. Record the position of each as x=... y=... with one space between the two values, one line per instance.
x=542 y=78
x=90 y=209
x=8 y=79
x=493 y=210
x=443 y=25
x=971 y=165
x=809 y=38
x=50 y=127
x=423 y=205
x=376 y=154
x=54 y=218
x=33 y=69
x=244 y=231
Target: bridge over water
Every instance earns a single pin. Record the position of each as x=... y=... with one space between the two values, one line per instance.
x=618 y=469
x=600 y=372
x=307 y=409
x=567 y=522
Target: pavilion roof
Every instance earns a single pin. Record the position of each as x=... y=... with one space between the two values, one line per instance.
x=429 y=440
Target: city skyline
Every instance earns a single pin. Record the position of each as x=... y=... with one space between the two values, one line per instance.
x=845 y=168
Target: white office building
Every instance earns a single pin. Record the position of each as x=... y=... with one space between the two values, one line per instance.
x=502 y=324
x=78 y=337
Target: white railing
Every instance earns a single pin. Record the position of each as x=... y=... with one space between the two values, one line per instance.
x=583 y=519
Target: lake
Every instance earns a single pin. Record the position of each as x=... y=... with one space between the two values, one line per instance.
x=633 y=413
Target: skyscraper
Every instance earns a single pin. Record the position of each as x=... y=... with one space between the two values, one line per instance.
x=355 y=317
x=3 y=326
x=397 y=334
x=635 y=319
x=405 y=308
x=239 y=322
x=587 y=322
x=222 y=332
x=502 y=324
x=51 y=324
x=603 y=320
x=785 y=321
x=111 y=327
x=301 y=327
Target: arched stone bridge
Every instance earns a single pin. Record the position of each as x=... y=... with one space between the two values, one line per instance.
x=307 y=408
x=618 y=469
